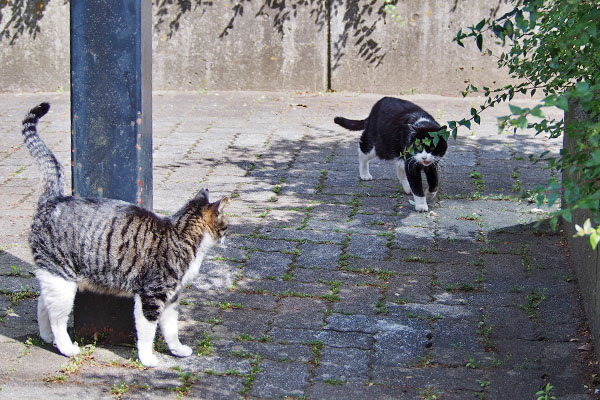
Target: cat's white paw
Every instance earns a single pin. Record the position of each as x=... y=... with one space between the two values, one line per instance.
x=69 y=350
x=421 y=204
x=421 y=207
x=182 y=351
x=148 y=360
x=366 y=177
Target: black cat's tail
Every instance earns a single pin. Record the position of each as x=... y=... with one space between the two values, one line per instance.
x=351 y=124
x=53 y=178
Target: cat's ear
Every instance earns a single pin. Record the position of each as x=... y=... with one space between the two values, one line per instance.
x=220 y=205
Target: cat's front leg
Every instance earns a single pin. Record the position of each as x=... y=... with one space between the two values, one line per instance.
x=431 y=173
x=421 y=203
x=413 y=175
x=170 y=332
x=402 y=176
x=146 y=329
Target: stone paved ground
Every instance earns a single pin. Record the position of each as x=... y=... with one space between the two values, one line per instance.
x=330 y=287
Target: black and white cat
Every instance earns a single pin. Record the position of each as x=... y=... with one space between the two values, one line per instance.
x=399 y=130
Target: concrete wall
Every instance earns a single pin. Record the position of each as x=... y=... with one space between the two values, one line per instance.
x=585 y=259
x=258 y=45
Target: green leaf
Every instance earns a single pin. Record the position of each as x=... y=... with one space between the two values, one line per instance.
x=537 y=112
x=563 y=103
x=553 y=223
x=594 y=239
x=515 y=110
x=480 y=42
x=480 y=25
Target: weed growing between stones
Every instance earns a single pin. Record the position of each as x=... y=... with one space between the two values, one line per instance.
x=188 y=379
x=25 y=293
x=316 y=347
x=484 y=333
x=334 y=382
x=321 y=184
x=244 y=337
x=479 y=185
x=430 y=394
x=225 y=305
x=205 y=345
x=544 y=393
x=534 y=299
x=72 y=367
x=119 y=390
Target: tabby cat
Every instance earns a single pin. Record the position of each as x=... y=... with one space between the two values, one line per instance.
x=110 y=246
x=400 y=130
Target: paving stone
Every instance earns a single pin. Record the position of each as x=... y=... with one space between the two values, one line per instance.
x=319 y=255
x=270 y=351
x=247 y=300
x=237 y=322
x=266 y=245
x=300 y=313
x=356 y=391
x=277 y=380
x=328 y=337
x=346 y=365
x=304 y=235
x=409 y=288
x=440 y=379
x=265 y=264
x=217 y=388
x=368 y=246
x=404 y=345
x=360 y=300
x=316 y=275
x=514 y=384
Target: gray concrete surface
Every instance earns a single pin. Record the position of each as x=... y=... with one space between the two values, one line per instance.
x=266 y=45
x=585 y=258
x=329 y=287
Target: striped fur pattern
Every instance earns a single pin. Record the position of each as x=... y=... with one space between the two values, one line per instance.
x=115 y=247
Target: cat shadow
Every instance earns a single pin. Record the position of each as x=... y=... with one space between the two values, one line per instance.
x=19 y=290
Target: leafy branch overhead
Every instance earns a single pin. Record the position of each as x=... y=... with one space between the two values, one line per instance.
x=552 y=47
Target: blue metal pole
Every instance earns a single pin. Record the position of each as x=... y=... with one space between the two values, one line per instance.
x=111 y=127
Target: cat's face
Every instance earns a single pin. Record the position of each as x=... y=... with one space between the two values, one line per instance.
x=214 y=218
x=428 y=152
x=211 y=215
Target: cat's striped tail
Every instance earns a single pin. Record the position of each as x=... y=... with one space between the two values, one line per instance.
x=352 y=124
x=52 y=173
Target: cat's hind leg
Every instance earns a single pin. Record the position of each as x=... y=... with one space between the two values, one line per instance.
x=58 y=295
x=170 y=332
x=145 y=329
x=44 y=320
x=363 y=162
x=400 y=171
